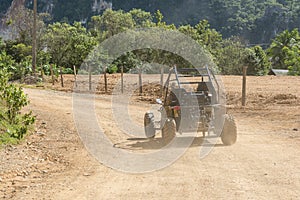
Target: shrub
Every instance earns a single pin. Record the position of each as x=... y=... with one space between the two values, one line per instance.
x=67 y=71
x=13 y=124
x=112 y=69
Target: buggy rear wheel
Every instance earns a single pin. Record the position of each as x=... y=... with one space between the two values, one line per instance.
x=169 y=130
x=149 y=125
x=229 y=132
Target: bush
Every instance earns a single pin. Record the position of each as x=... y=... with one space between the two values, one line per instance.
x=17 y=70
x=67 y=71
x=13 y=124
x=256 y=60
x=112 y=69
x=47 y=69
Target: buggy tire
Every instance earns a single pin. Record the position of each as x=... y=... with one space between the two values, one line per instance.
x=149 y=125
x=229 y=132
x=169 y=130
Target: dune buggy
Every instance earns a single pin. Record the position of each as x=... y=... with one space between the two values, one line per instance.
x=191 y=103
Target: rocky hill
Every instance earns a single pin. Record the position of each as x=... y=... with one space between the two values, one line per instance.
x=256 y=21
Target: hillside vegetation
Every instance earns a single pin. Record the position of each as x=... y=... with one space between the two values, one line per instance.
x=62 y=44
x=257 y=21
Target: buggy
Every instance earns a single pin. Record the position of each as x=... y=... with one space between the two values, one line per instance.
x=192 y=102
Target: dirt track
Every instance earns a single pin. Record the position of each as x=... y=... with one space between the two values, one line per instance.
x=264 y=163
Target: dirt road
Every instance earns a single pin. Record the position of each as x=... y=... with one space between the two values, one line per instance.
x=52 y=163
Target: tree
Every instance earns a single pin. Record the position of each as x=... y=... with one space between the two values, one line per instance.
x=208 y=37
x=19 y=51
x=293 y=60
x=68 y=45
x=280 y=47
x=141 y=18
x=111 y=23
x=257 y=61
x=230 y=57
x=189 y=31
x=162 y=24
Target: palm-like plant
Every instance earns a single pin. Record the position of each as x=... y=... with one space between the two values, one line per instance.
x=277 y=51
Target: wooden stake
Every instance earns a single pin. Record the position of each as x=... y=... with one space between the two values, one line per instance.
x=161 y=81
x=140 y=82
x=52 y=74
x=244 y=86
x=122 y=79
x=61 y=77
x=105 y=80
x=75 y=75
x=42 y=72
x=90 y=78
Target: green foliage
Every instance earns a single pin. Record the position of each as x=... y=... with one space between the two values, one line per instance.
x=231 y=56
x=293 y=61
x=189 y=31
x=13 y=124
x=2 y=45
x=207 y=37
x=43 y=58
x=162 y=24
x=111 y=23
x=283 y=42
x=67 y=71
x=285 y=51
x=47 y=71
x=256 y=20
x=7 y=62
x=68 y=45
x=257 y=61
x=128 y=60
x=96 y=61
x=21 y=52
x=141 y=18
x=112 y=69
x=17 y=70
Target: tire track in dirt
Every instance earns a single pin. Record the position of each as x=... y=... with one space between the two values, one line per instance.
x=263 y=164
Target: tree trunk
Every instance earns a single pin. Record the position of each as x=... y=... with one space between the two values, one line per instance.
x=34 y=44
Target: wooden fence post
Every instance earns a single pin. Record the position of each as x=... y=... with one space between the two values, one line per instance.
x=75 y=75
x=52 y=74
x=61 y=77
x=161 y=81
x=42 y=72
x=140 y=83
x=122 y=79
x=244 y=85
x=90 y=78
x=105 y=80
